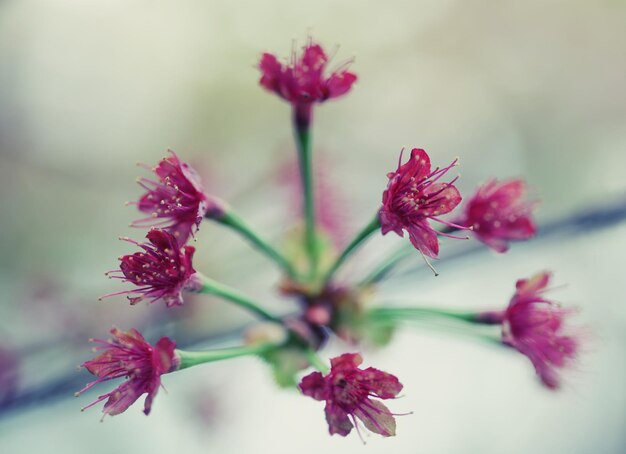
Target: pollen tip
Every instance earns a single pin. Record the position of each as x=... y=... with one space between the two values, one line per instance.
x=76 y=394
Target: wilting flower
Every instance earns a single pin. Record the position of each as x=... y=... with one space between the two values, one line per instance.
x=129 y=355
x=176 y=201
x=349 y=392
x=535 y=327
x=413 y=196
x=302 y=80
x=162 y=270
x=498 y=214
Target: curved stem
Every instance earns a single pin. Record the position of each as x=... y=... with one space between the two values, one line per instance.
x=370 y=228
x=393 y=260
x=211 y=287
x=231 y=219
x=189 y=359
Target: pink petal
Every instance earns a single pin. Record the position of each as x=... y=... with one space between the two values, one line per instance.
x=424 y=238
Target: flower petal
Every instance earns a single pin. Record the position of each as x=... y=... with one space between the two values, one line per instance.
x=383 y=384
x=338 y=421
x=424 y=238
x=314 y=385
x=377 y=418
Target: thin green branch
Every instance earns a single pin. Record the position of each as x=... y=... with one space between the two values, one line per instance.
x=364 y=234
x=303 y=142
x=212 y=287
x=232 y=220
x=189 y=359
x=316 y=361
x=383 y=269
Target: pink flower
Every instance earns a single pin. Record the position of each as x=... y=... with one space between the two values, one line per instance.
x=413 y=196
x=302 y=80
x=176 y=198
x=498 y=214
x=348 y=392
x=129 y=355
x=535 y=327
x=161 y=271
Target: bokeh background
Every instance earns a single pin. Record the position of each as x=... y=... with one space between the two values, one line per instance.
x=89 y=88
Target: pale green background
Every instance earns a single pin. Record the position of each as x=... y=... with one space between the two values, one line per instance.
x=88 y=88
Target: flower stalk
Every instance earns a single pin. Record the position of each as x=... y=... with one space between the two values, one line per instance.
x=302 y=131
x=363 y=235
x=315 y=361
x=211 y=287
x=457 y=323
x=403 y=313
x=382 y=270
x=232 y=220
x=189 y=359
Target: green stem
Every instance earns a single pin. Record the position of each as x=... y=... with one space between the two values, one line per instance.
x=386 y=266
x=231 y=219
x=419 y=313
x=476 y=332
x=370 y=228
x=316 y=361
x=303 y=141
x=211 y=287
x=392 y=261
x=189 y=359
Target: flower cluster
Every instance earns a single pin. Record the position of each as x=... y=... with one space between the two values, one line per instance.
x=349 y=392
x=302 y=79
x=413 y=196
x=130 y=356
x=498 y=213
x=536 y=327
x=175 y=201
x=160 y=272
x=416 y=200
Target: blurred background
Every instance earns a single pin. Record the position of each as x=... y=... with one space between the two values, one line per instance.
x=89 y=88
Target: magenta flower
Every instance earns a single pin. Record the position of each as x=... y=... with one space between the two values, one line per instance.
x=413 y=196
x=176 y=201
x=348 y=392
x=302 y=80
x=535 y=327
x=161 y=271
x=129 y=355
x=498 y=214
